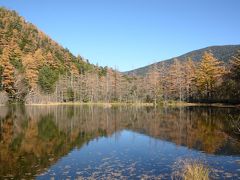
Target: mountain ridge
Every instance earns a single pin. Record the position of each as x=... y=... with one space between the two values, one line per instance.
x=221 y=52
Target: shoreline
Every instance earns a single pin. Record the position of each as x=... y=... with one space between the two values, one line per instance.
x=106 y=104
x=110 y=104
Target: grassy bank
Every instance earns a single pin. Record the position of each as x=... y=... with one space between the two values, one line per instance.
x=92 y=103
x=185 y=104
x=110 y=104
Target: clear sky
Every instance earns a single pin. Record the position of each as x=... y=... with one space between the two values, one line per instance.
x=133 y=33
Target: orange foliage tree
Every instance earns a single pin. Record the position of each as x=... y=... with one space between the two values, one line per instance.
x=7 y=74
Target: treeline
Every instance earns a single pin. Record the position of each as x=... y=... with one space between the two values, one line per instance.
x=206 y=81
x=209 y=80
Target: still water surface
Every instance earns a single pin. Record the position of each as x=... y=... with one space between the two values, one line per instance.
x=79 y=142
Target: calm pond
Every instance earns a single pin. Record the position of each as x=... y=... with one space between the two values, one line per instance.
x=80 y=142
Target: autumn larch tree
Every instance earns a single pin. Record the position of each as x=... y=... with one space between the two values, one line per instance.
x=38 y=58
x=189 y=75
x=7 y=74
x=15 y=55
x=153 y=83
x=31 y=71
x=208 y=74
x=51 y=61
x=175 y=79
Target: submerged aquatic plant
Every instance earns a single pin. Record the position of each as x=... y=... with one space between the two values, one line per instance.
x=189 y=169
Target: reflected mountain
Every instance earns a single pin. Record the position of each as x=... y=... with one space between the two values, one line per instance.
x=33 y=138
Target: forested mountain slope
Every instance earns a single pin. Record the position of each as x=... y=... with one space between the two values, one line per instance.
x=30 y=59
x=222 y=53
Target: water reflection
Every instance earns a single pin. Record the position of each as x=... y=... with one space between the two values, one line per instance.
x=35 y=138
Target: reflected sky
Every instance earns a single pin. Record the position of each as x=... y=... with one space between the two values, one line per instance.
x=127 y=154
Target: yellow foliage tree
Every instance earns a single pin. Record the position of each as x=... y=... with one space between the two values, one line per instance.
x=8 y=73
x=176 y=80
x=189 y=73
x=153 y=83
x=31 y=71
x=15 y=54
x=74 y=70
x=208 y=74
x=39 y=58
x=51 y=61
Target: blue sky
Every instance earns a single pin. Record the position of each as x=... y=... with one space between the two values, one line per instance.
x=133 y=33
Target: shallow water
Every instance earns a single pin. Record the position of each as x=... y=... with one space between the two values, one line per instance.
x=79 y=142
